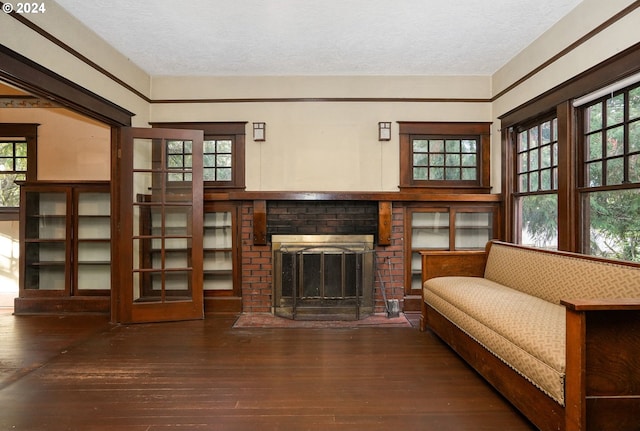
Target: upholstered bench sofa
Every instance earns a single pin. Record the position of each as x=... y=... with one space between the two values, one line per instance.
x=558 y=334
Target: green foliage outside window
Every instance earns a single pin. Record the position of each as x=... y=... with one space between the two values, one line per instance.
x=13 y=167
x=614 y=224
x=445 y=159
x=612 y=159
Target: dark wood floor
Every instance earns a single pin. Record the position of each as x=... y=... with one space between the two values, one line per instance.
x=81 y=373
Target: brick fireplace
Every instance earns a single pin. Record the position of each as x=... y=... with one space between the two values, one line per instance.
x=302 y=217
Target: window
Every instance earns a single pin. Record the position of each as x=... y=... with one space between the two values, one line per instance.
x=13 y=167
x=598 y=173
x=17 y=163
x=445 y=159
x=536 y=197
x=222 y=155
x=445 y=155
x=610 y=179
x=218 y=157
x=179 y=157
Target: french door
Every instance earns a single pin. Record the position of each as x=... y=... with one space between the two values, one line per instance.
x=160 y=260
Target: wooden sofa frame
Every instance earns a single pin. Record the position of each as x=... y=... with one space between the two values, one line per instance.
x=602 y=382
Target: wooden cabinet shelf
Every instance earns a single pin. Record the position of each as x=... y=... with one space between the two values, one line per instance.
x=447 y=228
x=65 y=245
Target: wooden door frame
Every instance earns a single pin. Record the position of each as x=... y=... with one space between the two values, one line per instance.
x=123 y=310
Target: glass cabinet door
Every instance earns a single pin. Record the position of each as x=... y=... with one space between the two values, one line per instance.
x=46 y=241
x=93 y=242
x=430 y=230
x=452 y=228
x=473 y=229
x=218 y=251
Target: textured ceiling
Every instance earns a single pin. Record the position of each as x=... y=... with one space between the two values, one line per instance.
x=319 y=37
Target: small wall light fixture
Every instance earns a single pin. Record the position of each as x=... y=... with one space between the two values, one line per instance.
x=384 y=131
x=259 y=132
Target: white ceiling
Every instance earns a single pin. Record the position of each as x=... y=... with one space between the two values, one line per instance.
x=319 y=37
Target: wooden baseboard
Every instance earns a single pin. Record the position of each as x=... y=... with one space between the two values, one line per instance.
x=223 y=304
x=76 y=304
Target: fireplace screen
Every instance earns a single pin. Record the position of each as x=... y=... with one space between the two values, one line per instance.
x=323 y=276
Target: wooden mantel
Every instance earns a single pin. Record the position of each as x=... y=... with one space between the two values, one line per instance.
x=424 y=195
x=384 y=199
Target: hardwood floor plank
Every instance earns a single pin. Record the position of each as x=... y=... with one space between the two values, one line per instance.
x=206 y=375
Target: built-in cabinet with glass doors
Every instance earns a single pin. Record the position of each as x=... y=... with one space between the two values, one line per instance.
x=65 y=256
x=221 y=257
x=446 y=228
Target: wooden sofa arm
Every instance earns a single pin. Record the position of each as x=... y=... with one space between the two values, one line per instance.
x=602 y=304
x=469 y=263
x=602 y=386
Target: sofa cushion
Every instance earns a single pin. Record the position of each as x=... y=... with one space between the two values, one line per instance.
x=525 y=332
x=554 y=277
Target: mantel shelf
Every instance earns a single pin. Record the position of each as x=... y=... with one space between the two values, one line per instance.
x=407 y=196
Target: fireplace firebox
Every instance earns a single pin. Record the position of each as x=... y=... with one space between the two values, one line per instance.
x=322 y=277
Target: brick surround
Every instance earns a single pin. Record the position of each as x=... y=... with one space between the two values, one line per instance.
x=318 y=217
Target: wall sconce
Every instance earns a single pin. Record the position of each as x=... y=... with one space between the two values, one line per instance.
x=384 y=131
x=259 y=131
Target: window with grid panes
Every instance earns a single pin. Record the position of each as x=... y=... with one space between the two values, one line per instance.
x=13 y=167
x=452 y=159
x=610 y=181
x=179 y=157
x=222 y=153
x=445 y=155
x=536 y=198
x=217 y=157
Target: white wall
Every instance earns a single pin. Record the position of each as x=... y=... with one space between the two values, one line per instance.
x=321 y=145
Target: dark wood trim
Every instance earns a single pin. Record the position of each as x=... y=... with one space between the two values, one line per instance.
x=76 y=54
x=62 y=305
x=568 y=210
x=629 y=9
x=208 y=127
x=260 y=222
x=116 y=232
x=36 y=79
x=617 y=17
x=385 y=215
x=508 y=184
x=481 y=130
x=26 y=130
x=327 y=99
x=352 y=196
x=618 y=67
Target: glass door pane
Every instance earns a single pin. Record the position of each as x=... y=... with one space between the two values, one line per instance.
x=473 y=230
x=94 y=241
x=164 y=191
x=218 y=251
x=46 y=241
